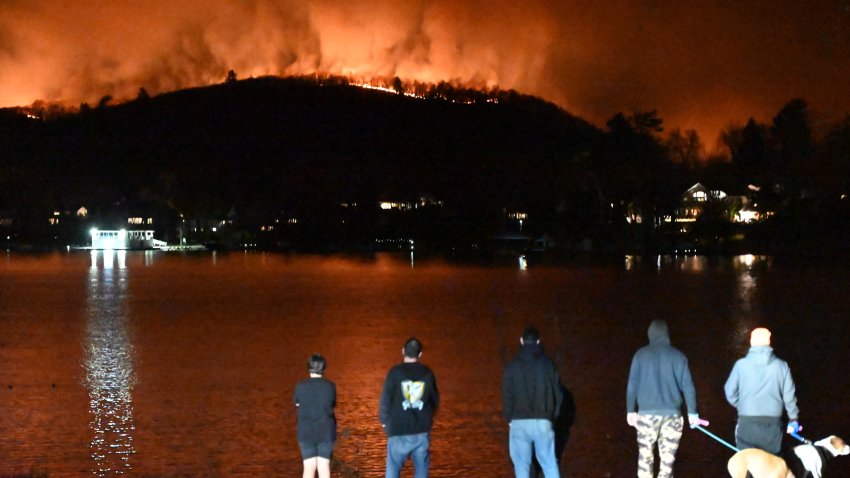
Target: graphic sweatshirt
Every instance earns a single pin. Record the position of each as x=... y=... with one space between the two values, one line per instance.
x=409 y=399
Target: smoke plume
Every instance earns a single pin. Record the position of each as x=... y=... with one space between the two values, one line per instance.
x=701 y=65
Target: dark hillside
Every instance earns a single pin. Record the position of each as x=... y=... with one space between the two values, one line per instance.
x=264 y=145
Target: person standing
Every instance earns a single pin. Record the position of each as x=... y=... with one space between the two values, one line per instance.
x=760 y=387
x=315 y=399
x=659 y=384
x=408 y=403
x=531 y=401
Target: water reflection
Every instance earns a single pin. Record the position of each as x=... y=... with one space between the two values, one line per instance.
x=682 y=263
x=109 y=365
x=749 y=312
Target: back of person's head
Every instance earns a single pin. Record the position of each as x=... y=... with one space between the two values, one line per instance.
x=316 y=364
x=412 y=348
x=530 y=335
x=759 y=337
x=658 y=329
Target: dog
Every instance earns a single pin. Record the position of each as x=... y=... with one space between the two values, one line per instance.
x=801 y=461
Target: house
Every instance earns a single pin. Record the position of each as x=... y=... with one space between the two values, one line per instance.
x=124 y=239
x=695 y=200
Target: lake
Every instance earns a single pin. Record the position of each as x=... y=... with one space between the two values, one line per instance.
x=161 y=364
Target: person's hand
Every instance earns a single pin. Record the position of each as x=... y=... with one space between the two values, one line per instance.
x=631 y=419
x=693 y=420
x=793 y=427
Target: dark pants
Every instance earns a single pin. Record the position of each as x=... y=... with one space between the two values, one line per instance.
x=764 y=433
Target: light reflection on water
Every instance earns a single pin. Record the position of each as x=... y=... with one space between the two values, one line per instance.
x=109 y=365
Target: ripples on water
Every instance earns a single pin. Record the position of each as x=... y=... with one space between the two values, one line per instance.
x=150 y=364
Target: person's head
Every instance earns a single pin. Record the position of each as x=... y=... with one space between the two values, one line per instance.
x=658 y=330
x=316 y=364
x=530 y=336
x=759 y=337
x=412 y=349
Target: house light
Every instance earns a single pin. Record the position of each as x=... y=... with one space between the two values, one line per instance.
x=93 y=231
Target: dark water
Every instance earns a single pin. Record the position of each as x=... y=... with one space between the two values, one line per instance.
x=152 y=364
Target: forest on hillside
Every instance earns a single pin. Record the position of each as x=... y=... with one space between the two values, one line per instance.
x=251 y=154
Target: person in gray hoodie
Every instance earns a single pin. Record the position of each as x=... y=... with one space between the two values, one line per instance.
x=760 y=387
x=659 y=384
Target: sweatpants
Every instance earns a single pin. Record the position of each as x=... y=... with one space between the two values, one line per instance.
x=666 y=432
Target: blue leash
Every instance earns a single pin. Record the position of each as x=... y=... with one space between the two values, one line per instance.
x=802 y=439
x=712 y=435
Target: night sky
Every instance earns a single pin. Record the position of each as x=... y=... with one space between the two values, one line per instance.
x=701 y=64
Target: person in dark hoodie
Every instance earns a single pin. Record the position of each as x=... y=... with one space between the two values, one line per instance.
x=659 y=384
x=408 y=403
x=760 y=387
x=531 y=400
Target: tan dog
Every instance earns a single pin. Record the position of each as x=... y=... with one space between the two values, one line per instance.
x=759 y=463
x=806 y=460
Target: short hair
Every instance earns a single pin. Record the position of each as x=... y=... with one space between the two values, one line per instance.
x=530 y=334
x=316 y=364
x=412 y=348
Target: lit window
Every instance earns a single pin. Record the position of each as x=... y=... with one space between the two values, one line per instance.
x=134 y=220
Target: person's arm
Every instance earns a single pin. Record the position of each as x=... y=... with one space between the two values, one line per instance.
x=507 y=396
x=435 y=394
x=386 y=400
x=789 y=395
x=631 y=387
x=557 y=391
x=732 y=388
x=686 y=384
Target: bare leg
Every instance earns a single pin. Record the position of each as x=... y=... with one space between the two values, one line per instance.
x=310 y=467
x=324 y=467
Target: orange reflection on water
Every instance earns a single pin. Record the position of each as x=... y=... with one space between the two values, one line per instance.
x=109 y=373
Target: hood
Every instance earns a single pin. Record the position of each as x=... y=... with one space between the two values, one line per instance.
x=658 y=333
x=530 y=351
x=761 y=354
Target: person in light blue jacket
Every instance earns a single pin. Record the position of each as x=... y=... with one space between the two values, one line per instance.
x=761 y=388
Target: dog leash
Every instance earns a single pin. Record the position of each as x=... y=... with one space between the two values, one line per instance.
x=699 y=427
x=802 y=439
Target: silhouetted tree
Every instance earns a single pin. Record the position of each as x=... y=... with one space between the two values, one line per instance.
x=103 y=102
x=398 y=86
x=794 y=136
x=231 y=77
x=685 y=148
x=143 y=95
x=835 y=155
x=749 y=150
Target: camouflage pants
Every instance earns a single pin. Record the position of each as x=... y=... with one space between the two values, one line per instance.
x=664 y=430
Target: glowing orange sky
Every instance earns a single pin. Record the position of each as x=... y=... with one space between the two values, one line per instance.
x=700 y=64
